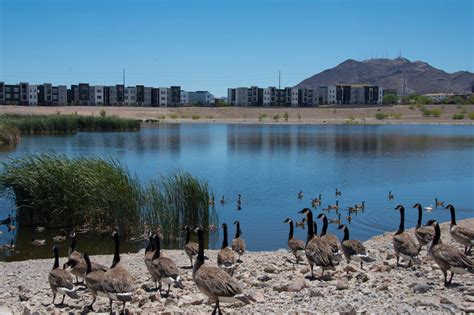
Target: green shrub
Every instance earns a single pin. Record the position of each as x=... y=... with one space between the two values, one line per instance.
x=195 y=117
x=262 y=117
x=174 y=116
x=435 y=112
x=276 y=117
x=396 y=115
x=102 y=113
x=412 y=107
x=286 y=116
x=9 y=134
x=210 y=117
x=471 y=115
x=381 y=116
x=458 y=116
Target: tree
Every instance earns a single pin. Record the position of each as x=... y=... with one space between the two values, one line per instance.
x=390 y=99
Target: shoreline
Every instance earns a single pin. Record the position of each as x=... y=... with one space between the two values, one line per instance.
x=339 y=115
x=276 y=284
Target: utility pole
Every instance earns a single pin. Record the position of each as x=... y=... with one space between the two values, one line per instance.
x=123 y=76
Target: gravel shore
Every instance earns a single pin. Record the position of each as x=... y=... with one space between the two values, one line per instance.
x=347 y=114
x=277 y=285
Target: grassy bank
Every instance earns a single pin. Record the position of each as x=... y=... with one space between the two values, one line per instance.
x=50 y=124
x=9 y=134
x=59 y=192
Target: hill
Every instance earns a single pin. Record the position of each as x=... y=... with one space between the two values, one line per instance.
x=419 y=76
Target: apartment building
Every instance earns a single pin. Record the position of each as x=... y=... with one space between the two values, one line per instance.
x=164 y=99
x=255 y=96
x=201 y=98
x=184 y=98
x=130 y=96
x=84 y=91
x=97 y=95
x=116 y=95
x=2 y=93
x=174 y=96
x=23 y=93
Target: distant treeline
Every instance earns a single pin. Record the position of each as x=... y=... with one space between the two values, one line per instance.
x=100 y=194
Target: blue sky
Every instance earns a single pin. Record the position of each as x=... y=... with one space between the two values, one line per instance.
x=212 y=45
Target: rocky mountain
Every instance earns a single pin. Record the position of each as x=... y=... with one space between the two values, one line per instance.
x=419 y=76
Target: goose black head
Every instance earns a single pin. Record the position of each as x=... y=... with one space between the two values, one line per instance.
x=236 y=222
x=400 y=207
x=197 y=228
x=321 y=216
x=224 y=225
x=288 y=220
x=416 y=205
x=55 y=250
x=431 y=222
x=449 y=207
x=341 y=226
x=305 y=211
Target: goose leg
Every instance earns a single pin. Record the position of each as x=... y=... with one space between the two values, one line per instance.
x=90 y=305
x=54 y=297
x=445 y=278
x=450 y=278
x=361 y=263
x=62 y=301
x=111 y=306
x=191 y=262
x=123 y=308
x=398 y=259
x=214 y=311
x=312 y=274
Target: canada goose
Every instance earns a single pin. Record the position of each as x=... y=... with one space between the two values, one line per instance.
x=149 y=252
x=222 y=200
x=349 y=217
x=301 y=223
x=211 y=200
x=60 y=238
x=214 y=282
x=352 y=209
x=77 y=263
x=335 y=206
x=300 y=195
x=11 y=227
x=336 y=221
x=239 y=198
x=447 y=257
x=225 y=257
x=316 y=202
x=403 y=244
x=461 y=234
x=424 y=234
x=36 y=242
x=390 y=195
x=239 y=207
x=295 y=246
x=60 y=280
x=318 y=251
x=429 y=208
x=338 y=192
x=361 y=206
x=190 y=248
x=117 y=282
x=163 y=269
x=10 y=246
x=439 y=203
x=238 y=244
x=8 y=220
x=39 y=229
x=353 y=249
x=331 y=239
x=93 y=281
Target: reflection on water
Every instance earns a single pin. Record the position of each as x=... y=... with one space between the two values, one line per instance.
x=270 y=164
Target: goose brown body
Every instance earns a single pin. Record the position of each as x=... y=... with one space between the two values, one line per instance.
x=225 y=258
x=238 y=244
x=60 y=280
x=404 y=244
x=460 y=234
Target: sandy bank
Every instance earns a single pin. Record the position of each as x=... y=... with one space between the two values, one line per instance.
x=276 y=284
x=244 y=115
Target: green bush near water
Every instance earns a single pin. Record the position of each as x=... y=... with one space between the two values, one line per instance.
x=51 y=124
x=56 y=191
x=381 y=116
x=9 y=134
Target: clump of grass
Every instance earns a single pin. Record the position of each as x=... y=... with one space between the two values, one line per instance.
x=381 y=116
x=286 y=116
x=435 y=112
x=174 y=116
x=56 y=191
x=299 y=116
x=276 y=117
x=195 y=117
x=458 y=116
x=463 y=109
x=102 y=113
x=38 y=124
x=210 y=117
x=9 y=134
x=471 y=115
x=261 y=117
x=161 y=117
x=396 y=115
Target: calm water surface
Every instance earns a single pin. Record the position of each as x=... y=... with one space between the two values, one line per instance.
x=270 y=164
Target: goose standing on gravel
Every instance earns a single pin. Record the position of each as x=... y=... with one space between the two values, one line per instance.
x=190 y=248
x=295 y=246
x=403 y=244
x=215 y=283
x=238 y=244
x=447 y=257
x=60 y=280
x=424 y=234
x=318 y=251
x=164 y=269
x=93 y=281
x=461 y=234
x=117 y=282
x=149 y=252
x=331 y=239
x=225 y=257
x=353 y=249
x=77 y=263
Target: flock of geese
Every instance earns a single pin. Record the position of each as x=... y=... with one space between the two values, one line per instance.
x=322 y=250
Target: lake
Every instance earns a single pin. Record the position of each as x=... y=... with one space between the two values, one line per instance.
x=270 y=164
